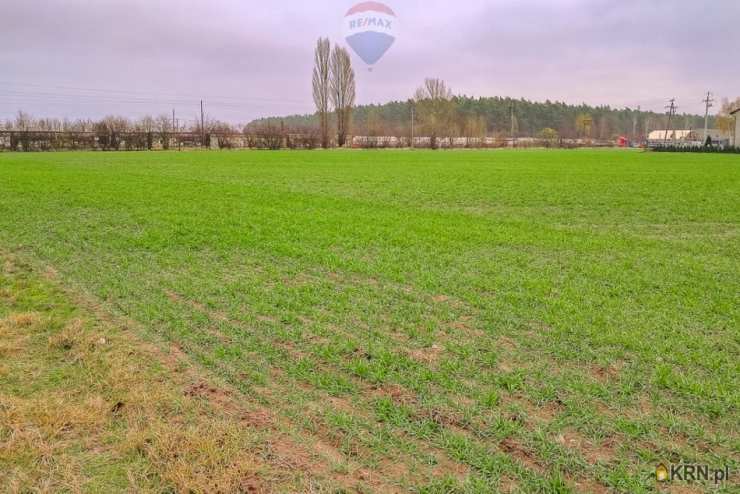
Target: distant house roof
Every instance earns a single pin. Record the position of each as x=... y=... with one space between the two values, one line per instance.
x=659 y=135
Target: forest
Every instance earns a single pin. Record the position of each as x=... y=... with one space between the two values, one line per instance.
x=498 y=116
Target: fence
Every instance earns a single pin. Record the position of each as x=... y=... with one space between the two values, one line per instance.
x=36 y=140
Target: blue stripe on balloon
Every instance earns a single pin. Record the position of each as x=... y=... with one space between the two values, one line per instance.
x=370 y=45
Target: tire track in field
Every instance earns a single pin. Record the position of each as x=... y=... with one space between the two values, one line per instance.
x=284 y=449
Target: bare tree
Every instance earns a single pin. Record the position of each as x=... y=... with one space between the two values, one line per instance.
x=164 y=128
x=342 y=84
x=24 y=121
x=372 y=122
x=223 y=132
x=146 y=126
x=321 y=87
x=474 y=129
x=272 y=136
x=435 y=108
x=109 y=132
x=202 y=130
x=584 y=124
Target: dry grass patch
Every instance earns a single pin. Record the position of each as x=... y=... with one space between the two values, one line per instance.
x=216 y=456
x=101 y=411
x=23 y=319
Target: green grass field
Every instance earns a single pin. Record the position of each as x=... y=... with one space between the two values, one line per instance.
x=472 y=321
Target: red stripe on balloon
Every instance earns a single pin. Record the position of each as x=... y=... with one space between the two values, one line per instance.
x=365 y=6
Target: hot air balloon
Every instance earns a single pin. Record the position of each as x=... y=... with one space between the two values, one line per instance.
x=370 y=30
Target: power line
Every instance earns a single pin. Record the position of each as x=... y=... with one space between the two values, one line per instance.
x=150 y=94
x=32 y=94
x=12 y=96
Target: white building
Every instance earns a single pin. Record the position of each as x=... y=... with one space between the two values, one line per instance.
x=664 y=137
x=687 y=138
x=736 y=134
x=668 y=135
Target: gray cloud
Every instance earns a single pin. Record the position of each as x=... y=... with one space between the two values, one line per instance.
x=247 y=59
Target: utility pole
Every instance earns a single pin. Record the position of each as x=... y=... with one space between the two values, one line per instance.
x=202 y=126
x=412 y=125
x=173 y=132
x=511 y=110
x=646 y=127
x=634 y=124
x=708 y=103
x=671 y=111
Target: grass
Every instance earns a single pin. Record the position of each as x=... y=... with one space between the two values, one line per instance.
x=87 y=407
x=465 y=321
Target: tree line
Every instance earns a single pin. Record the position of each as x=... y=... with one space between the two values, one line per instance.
x=434 y=111
x=114 y=133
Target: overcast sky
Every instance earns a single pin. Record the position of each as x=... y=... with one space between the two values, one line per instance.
x=75 y=58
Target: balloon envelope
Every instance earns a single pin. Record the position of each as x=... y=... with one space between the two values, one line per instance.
x=370 y=30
